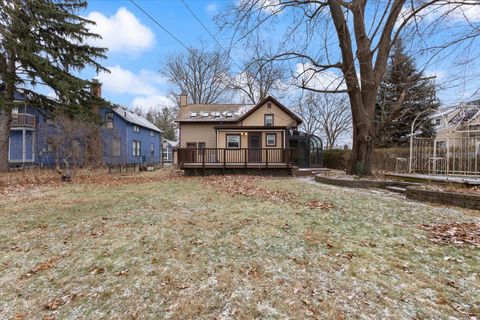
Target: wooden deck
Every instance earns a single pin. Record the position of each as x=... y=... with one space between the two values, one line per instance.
x=217 y=158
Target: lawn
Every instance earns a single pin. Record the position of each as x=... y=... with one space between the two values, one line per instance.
x=158 y=246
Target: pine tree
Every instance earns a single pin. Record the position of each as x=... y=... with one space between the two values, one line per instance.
x=404 y=93
x=164 y=120
x=44 y=42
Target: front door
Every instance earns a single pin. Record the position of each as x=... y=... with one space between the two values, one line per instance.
x=191 y=152
x=254 y=146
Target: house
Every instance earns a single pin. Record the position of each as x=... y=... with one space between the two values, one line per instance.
x=167 y=147
x=242 y=136
x=123 y=137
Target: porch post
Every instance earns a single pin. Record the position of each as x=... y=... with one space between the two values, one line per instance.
x=24 y=145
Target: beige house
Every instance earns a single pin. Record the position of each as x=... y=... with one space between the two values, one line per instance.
x=236 y=135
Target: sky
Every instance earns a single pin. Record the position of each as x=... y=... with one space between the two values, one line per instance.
x=138 y=47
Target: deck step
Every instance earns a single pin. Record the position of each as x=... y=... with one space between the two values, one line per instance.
x=396 y=189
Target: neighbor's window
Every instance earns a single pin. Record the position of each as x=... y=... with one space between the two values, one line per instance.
x=109 y=120
x=271 y=139
x=233 y=141
x=136 y=148
x=152 y=133
x=116 y=147
x=136 y=128
x=269 y=119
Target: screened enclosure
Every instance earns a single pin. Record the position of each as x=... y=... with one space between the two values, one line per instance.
x=307 y=149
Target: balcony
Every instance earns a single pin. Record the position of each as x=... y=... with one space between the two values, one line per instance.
x=23 y=120
x=234 y=158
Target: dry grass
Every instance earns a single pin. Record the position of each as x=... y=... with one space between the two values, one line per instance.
x=153 y=245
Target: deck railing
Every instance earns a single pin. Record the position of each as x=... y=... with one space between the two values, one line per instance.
x=23 y=120
x=237 y=157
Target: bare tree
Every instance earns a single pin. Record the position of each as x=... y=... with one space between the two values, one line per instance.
x=325 y=114
x=334 y=116
x=351 y=41
x=307 y=110
x=201 y=74
x=260 y=76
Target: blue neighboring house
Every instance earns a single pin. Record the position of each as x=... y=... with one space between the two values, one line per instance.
x=126 y=137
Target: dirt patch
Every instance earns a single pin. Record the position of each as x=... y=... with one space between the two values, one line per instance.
x=454 y=233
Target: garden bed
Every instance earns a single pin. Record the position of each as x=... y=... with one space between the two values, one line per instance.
x=452 y=198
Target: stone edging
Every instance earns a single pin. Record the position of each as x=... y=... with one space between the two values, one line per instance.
x=470 y=201
x=363 y=184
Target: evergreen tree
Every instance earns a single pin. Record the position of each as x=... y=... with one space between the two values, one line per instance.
x=404 y=93
x=164 y=120
x=43 y=42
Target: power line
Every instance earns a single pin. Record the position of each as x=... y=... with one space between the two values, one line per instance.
x=208 y=31
x=159 y=24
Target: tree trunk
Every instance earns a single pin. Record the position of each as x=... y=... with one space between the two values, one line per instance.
x=5 y=119
x=360 y=162
x=6 y=112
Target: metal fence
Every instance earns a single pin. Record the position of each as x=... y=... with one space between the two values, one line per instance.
x=450 y=156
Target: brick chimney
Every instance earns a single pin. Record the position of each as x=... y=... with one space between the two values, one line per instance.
x=96 y=88
x=183 y=99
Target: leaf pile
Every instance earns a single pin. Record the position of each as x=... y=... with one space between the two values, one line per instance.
x=248 y=186
x=455 y=233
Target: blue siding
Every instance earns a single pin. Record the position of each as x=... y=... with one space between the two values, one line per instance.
x=123 y=130
x=16 y=145
x=37 y=141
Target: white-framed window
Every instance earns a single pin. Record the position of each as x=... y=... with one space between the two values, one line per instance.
x=233 y=141
x=116 y=144
x=136 y=128
x=109 y=120
x=268 y=120
x=152 y=133
x=271 y=139
x=136 y=148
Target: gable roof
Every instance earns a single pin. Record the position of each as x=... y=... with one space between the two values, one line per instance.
x=277 y=103
x=134 y=118
x=225 y=112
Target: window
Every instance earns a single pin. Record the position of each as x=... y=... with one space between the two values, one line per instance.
x=152 y=133
x=271 y=139
x=152 y=148
x=109 y=120
x=233 y=141
x=136 y=128
x=116 y=147
x=136 y=148
x=201 y=145
x=14 y=110
x=268 y=120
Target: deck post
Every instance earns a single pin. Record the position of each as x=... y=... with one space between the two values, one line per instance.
x=203 y=158
x=245 y=159
x=266 y=158
x=224 y=158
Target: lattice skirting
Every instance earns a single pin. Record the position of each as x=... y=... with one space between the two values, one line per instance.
x=282 y=172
